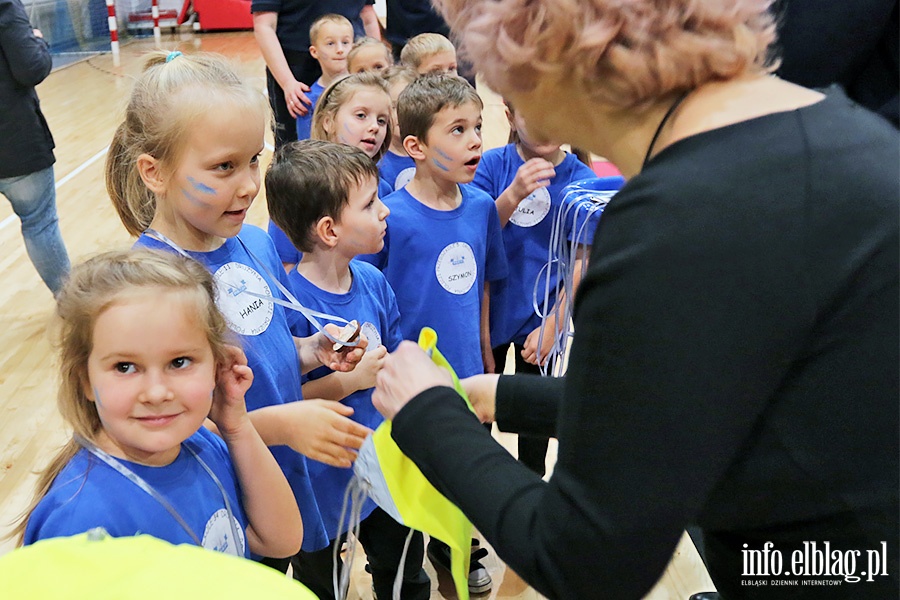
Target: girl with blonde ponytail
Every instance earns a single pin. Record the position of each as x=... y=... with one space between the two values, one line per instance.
x=144 y=358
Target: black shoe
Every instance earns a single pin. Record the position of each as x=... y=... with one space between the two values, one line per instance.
x=706 y=596
x=479 y=579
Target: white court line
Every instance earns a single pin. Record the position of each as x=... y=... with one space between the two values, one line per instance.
x=61 y=182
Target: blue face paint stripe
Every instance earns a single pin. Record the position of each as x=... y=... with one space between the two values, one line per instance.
x=439 y=165
x=443 y=154
x=192 y=198
x=201 y=187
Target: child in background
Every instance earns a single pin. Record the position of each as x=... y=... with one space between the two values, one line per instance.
x=338 y=217
x=526 y=178
x=396 y=167
x=369 y=54
x=429 y=53
x=443 y=241
x=355 y=110
x=144 y=359
x=330 y=39
x=182 y=171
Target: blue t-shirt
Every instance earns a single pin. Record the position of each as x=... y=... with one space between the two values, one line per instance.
x=286 y=250
x=304 y=122
x=397 y=170
x=437 y=263
x=88 y=493
x=526 y=238
x=384 y=188
x=264 y=330
x=372 y=303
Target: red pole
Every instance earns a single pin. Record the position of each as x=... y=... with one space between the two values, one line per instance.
x=156 y=33
x=113 y=30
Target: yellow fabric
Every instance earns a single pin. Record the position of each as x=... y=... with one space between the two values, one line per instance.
x=423 y=507
x=136 y=568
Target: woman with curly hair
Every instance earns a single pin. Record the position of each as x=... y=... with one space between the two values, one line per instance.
x=736 y=359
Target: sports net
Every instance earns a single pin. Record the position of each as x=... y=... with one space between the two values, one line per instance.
x=80 y=27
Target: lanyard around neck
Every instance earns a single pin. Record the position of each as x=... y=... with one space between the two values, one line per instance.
x=291 y=302
x=137 y=480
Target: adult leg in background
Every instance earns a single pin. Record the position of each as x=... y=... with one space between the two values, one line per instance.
x=33 y=199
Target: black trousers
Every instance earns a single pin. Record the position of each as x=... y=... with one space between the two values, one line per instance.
x=532 y=448
x=305 y=69
x=382 y=538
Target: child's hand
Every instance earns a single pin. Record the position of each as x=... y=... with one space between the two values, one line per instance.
x=530 y=350
x=343 y=359
x=535 y=173
x=233 y=379
x=482 y=393
x=363 y=376
x=320 y=430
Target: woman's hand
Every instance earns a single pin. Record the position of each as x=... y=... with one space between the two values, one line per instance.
x=233 y=379
x=295 y=98
x=407 y=372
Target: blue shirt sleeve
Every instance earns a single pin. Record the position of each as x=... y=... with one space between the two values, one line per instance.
x=392 y=335
x=487 y=178
x=384 y=188
x=496 y=266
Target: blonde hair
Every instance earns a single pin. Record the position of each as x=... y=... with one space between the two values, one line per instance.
x=92 y=287
x=420 y=47
x=366 y=42
x=401 y=72
x=171 y=93
x=316 y=28
x=625 y=53
x=341 y=92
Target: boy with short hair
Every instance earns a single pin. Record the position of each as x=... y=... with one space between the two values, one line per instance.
x=444 y=242
x=324 y=196
x=330 y=41
x=429 y=53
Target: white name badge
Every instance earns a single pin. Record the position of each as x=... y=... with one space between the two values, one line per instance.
x=532 y=209
x=371 y=333
x=246 y=314
x=217 y=535
x=404 y=177
x=456 y=270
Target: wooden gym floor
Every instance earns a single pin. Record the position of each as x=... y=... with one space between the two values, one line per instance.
x=83 y=104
